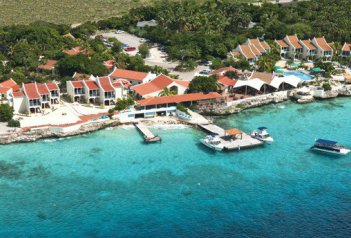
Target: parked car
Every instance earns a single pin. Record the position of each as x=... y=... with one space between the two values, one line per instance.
x=208 y=63
x=128 y=49
x=119 y=32
x=142 y=40
x=205 y=72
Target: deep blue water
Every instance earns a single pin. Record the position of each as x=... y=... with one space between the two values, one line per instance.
x=110 y=184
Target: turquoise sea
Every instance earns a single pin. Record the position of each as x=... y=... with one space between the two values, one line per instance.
x=110 y=184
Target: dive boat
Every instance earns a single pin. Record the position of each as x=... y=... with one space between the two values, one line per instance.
x=262 y=135
x=331 y=147
x=212 y=142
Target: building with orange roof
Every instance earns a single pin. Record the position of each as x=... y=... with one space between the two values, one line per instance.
x=76 y=51
x=295 y=48
x=346 y=50
x=6 y=89
x=324 y=50
x=283 y=46
x=222 y=71
x=309 y=50
x=134 y=77
x=252 y=49
x=49 y=65
x=157 y=85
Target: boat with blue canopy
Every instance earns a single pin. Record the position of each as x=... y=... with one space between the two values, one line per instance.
x=330 y=147
x=262 y=134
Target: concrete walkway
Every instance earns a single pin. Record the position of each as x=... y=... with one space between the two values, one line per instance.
x=197 y=118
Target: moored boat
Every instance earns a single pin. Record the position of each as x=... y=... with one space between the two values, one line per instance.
x=330 y=147
x=262 y=135
x=212 y=142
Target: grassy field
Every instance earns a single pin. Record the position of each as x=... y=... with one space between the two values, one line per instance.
x=64 y=11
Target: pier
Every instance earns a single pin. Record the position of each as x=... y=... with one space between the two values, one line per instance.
x=148 y=135
x=232 y=139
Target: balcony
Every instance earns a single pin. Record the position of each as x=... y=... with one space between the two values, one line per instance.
x=109 y=96
x=327 y=53
x=34 y=104
x=78 y=92
x=313 y=52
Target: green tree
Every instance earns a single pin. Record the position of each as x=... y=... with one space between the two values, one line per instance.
x=167 y=92
x=204 y=84
x=6 y=113
x=144 y=50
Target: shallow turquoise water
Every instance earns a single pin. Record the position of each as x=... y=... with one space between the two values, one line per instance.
x=110 y=184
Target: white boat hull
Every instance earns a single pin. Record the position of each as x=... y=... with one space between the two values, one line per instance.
x=341 y=152
x=213 y=147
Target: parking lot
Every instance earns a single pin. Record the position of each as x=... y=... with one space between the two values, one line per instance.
x=157 y=57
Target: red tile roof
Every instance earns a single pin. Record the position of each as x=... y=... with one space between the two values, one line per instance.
x=257 y=44
x=159 y=83
x=75 y=51
x=106 y=84
x=346 y=47
x=282 y=43
x=52 y=86
x=183 y=83
x=121 y=83
x=129 y=74
x=179 y=98
x=263 y=76
x=42 y=89
x=294 y=41
x=323 y=44
x=91 y=84
x=308 y=44
x=247 y=51
x=4 y=90
x=80 y=76
x=49 y=65
x=109 y=64
x=77 y=84
x=18 y=94
x=31 y=91
x=10 y=83
x=224 y=70
x=265 y=45
x=226 y=81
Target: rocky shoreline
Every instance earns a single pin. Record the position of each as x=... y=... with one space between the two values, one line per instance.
x=213 y=109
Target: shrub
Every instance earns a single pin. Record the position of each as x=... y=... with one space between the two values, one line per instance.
x=182 y=108
x=6 y=113
x=326 y=87
x=13 y=123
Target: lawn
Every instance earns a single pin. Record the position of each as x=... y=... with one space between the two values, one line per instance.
x=63 y=11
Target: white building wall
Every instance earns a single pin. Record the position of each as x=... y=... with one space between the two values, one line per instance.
x=70 y=90
x=19 y=105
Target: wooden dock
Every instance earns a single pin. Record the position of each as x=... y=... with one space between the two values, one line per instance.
x=213 y=129
x=245 y=141
x=148 y=135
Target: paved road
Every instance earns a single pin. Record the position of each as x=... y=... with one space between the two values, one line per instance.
x=157 y=57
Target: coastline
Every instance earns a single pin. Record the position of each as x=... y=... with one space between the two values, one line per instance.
x=47 y=132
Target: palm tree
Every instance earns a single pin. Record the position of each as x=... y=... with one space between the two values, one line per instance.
x=167 y=92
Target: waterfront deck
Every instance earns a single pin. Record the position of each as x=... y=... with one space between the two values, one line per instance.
x=246 y=141
x=148 y=135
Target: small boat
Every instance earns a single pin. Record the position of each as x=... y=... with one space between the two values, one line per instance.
x=212 y=142
x=330 y=147
x=262 y=135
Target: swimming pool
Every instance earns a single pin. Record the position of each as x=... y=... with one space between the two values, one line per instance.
x=299 y=74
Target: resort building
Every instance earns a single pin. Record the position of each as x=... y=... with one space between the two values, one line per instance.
x=221 y=71
x=283 y=46
x=295 y=48
x=260 y=46
x=251 y=50
x=34 y=97
x=96 y=90
x=346 y=50
x=309 y=50
x=155 y=87
x=227 y=83
x=6 y=89
x=92 y=91
x=106 y=91
x=75 y=89
x=109 y=64
x=48 y=66
x=324 y=50
x=133 y=77
x=166 y=105
x=75 y=51
x=79 y=76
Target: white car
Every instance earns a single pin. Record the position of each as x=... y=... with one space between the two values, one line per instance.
x=119 y=32
x=142 y=40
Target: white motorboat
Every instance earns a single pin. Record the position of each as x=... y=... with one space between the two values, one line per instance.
x=330 y=147
x=213 y=142
x=262 y=135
